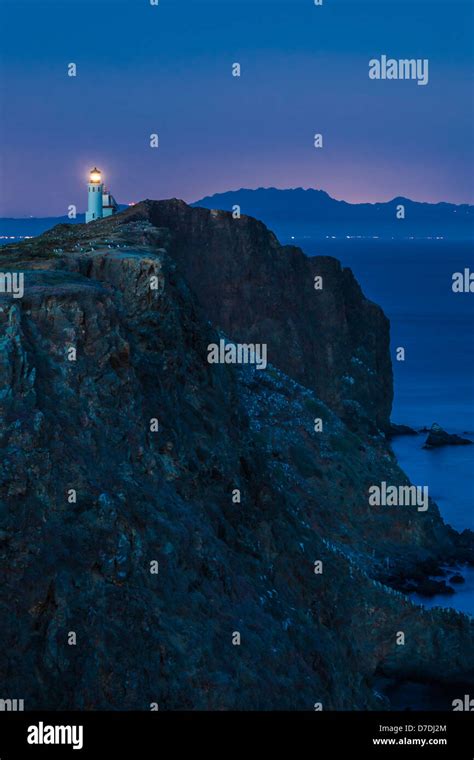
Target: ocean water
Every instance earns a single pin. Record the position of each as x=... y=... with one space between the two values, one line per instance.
x=412 y=281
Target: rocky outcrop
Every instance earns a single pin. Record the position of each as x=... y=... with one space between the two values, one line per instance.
x=397 y=430
x=156 y=510
x=332 y=340
x=438 y=437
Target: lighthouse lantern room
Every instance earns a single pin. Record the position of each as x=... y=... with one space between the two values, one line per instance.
x=100 y=202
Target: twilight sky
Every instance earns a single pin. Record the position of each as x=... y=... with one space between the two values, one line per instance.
x=167 y=69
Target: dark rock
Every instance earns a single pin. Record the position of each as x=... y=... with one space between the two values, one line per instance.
x=333 y=341
x=420 y=579
x=457 y=578
x=421 y=585
x=83 y=564
x=396 y=430
x=438 y=437
x=431 y=587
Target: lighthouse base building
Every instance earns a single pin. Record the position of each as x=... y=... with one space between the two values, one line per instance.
x=100 y=202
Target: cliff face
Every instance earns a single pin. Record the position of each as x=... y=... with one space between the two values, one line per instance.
x=332 y=340
x=91 y=494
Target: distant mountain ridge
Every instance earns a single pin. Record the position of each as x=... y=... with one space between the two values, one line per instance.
x=296 y=210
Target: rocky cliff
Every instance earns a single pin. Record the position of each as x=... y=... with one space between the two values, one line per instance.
x=329 y=338
x=153 y=505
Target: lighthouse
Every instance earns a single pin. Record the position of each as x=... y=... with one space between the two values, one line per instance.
x=100 y=202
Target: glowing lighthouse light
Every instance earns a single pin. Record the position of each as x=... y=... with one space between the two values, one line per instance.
x=100 y=202
x=95 y=176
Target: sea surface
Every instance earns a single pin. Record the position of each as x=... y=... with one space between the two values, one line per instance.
x=412 y=281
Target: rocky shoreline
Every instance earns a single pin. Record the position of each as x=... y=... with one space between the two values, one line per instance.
x=437 y=437
x=432 y=579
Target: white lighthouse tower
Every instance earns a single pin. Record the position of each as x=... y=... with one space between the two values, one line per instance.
x=100 y=202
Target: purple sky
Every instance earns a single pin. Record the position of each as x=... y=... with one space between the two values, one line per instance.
x=167 y=69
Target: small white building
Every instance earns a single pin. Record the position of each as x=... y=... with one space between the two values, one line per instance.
x=100 y=201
